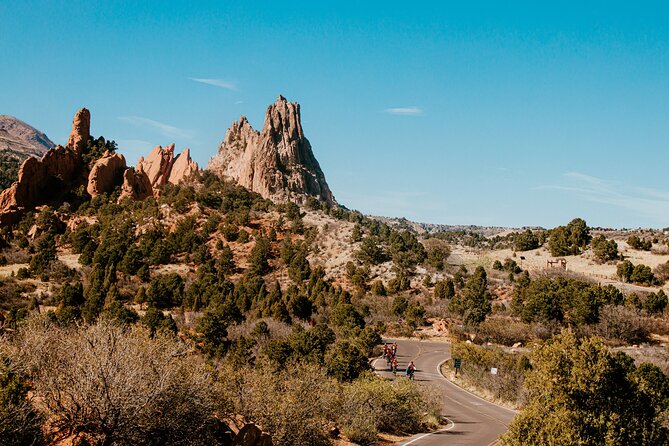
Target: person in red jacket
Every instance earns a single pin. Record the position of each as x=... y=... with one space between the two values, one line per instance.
x=411 y=369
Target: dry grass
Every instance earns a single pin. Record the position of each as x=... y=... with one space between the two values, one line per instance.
x=583 y=265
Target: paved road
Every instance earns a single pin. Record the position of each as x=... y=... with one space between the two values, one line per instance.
x=471 y=420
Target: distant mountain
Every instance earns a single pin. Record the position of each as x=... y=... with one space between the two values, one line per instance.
x=18 y=141
x=276 y=162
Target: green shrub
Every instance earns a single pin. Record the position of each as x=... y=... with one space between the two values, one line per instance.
x=477 y=362
x=371 y=405
x=345 y=361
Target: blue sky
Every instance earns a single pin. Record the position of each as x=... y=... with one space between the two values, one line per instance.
x=490 y=113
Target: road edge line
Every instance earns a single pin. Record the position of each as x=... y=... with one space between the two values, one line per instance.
x=447 y=428
x=469 y=392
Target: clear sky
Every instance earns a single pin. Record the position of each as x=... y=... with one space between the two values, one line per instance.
x=491 y=113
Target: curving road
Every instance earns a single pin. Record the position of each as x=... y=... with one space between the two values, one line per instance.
x=471 y=420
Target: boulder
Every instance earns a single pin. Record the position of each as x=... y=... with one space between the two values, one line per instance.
x=276 y=162
x=106 y=174
x=75 y=222
x=81 y=131
x=440 y=326
x=251 y=435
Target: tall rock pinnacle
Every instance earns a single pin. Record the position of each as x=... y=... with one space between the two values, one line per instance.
x=81 y=131
x=276 y=162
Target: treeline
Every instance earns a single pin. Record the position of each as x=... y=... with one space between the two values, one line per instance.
x=526 y=240
x=603 y=310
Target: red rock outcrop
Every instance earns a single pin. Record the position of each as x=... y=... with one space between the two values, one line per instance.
x=106 y=174
x=81 y=130
x=162 y=167
x=182 y=168
x=158 y=164
x=136 y=184
x=45 y=179
x=276 y=162
x=39 y=181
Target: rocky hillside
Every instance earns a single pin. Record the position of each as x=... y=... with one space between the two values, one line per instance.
x=18 y=141
x=276 y=162
x=88 y=167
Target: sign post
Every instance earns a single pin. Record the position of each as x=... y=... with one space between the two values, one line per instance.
x=457 y=363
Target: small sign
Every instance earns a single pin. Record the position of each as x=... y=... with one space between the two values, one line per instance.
x=457 y=362
x=493 y=371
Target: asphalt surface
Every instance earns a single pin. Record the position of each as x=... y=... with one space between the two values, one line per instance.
x=470 y=420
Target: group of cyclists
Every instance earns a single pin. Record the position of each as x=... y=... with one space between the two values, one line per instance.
x=389 y=354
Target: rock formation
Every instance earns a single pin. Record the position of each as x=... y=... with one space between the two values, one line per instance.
x=158 y=164
x=136 y=184
x=45 y=179
x=182 y=168
x=106 y=174
x=61 y=169
x=276 y=162
x=38 y=182
x=81 y=131
x=162 y=167
x=18 y=141
x=251 y=435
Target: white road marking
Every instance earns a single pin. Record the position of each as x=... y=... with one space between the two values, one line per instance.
x=447 y=428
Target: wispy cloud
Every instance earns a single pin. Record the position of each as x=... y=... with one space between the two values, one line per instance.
x=134 y=144
x=165 y=129
x=134 y=148
x=648 y=201
x=222 y=83
x=408 y=111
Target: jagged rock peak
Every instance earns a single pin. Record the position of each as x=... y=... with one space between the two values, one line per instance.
x=158 y=164
x=284 y=118
x=162 y=167
x=276 y=162
x=81 y=130
x=182 y=168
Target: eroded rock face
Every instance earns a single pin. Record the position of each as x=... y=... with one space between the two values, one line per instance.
x=158 y=164
x=235 y=155
x=162 y=167
x=276 y=162
x=182 y=168
x=106 y=174
x=42 y=180
x=81 y=131
x=136 y=184
x=39 y=181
